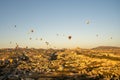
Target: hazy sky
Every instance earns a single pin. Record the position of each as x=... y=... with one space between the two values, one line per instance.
x=55 y=20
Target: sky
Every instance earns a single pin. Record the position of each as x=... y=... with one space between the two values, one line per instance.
x=90 y=23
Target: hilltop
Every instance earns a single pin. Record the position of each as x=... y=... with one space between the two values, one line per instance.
x=106 y=47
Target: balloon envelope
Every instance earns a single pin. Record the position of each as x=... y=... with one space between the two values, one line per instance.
x=69 y=37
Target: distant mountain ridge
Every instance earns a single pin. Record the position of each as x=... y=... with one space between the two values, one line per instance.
x=106 y=47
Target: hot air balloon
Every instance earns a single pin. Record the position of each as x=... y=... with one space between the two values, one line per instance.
x=26 y=47
x=69 y=37
x=47 y=43
x=111 y=38
x=15 y=26
x=30 y=38
x=96 y=35
x=41 y=39
x=57 y=34
x=87 y=22
x=10 y=42
x=32 y=30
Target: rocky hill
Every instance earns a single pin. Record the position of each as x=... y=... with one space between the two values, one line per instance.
x=58 y=64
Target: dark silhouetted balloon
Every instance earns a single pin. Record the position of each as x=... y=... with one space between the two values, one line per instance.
x=41 y=39
x=69 y=37
x=32 y=30
x=47 y=43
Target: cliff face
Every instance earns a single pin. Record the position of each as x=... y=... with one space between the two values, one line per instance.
x=55 y=64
